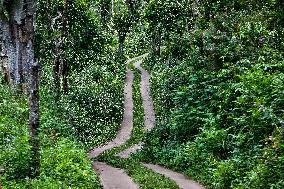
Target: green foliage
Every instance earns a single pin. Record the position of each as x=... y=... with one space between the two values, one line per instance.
x=66 y=161
x=94 y=101
x=217 y=89
x=92 y=110
x=167 y=15
x=218 y=93
x=14 y=139
x=142 y=175
x=122 y=18
x=63 y=161
x=95 y=104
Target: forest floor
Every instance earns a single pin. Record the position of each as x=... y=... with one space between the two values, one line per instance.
x=116 y=178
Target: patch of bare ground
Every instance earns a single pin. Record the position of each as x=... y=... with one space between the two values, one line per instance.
x=113 y=178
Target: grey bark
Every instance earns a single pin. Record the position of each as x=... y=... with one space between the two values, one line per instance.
x=17 y=29
x=34 y=119
x=17 y=21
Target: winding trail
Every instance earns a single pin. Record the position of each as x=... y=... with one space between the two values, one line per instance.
x=110 y=177
x=149 y=113
x=149 y=122
x=127 y=123
x=114 y=178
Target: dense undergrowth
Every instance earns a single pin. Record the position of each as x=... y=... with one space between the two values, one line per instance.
x=218 y=92
x=63 y=159
x=73 y=118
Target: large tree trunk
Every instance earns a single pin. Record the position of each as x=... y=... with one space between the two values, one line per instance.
x=17 y=37
x=22 y=70
x=7 y=48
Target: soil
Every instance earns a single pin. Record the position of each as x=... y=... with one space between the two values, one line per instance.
x=126 y=153
x=149 y=113
x=149 y=118
x=113 y=178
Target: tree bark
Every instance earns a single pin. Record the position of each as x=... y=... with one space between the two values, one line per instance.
x=56 y=73
x=17 y=38
x=34 y=119
x=60 y=63
x=121 y=39
x=18 y=47
x=6 y=44
x=65 y=70
x=33 y=73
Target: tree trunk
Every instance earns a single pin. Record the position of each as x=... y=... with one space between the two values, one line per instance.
x=18 y=46
x=121 y=39
x=34 y=119
x=64 y=60
x=7 y=48
x=4 y=68
x=17 y=37
x=56 y=74
x=60 y=63
x=156 y=43
x=33 y=73
x=65 y=76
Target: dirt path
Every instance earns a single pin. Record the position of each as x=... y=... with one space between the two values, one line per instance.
x=127 y=123
x=180 y=179
x=149 y=113
x=149 y=118
x=149 y=122
x=113 y=178
x=126 y=153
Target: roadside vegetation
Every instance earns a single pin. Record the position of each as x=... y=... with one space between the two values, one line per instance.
x=218 y=92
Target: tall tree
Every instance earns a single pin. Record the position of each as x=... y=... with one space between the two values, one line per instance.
x=164 y=18
x=17 y=24
x=17 y=21
x=105 y=7
x=122 y=23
